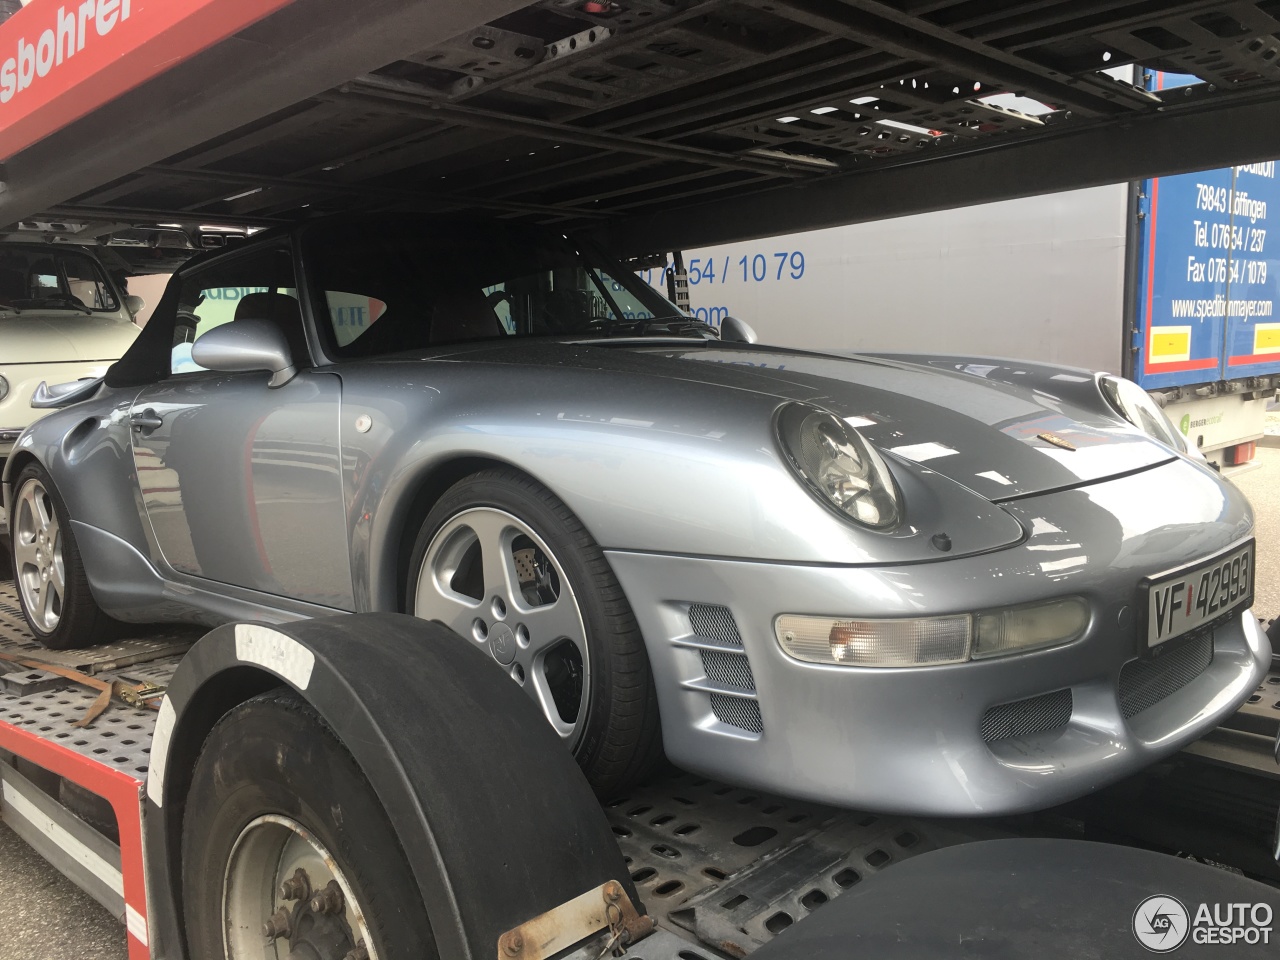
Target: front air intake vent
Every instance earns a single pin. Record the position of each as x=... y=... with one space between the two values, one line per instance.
x=731 y=669
x=1144 y=683
x=727 y=668
x=740 y=712
x=1021 y=718
x=714 y=623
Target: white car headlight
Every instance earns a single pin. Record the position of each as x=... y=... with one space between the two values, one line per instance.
x=4 y=388
x=1134 y=404
x=837 y=465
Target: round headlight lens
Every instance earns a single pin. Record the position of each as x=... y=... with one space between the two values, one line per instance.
x=4 y=388
x=1134 y=404
x=838 y=465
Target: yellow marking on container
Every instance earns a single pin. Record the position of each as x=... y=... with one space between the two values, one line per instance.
x=1266 y=338
x=1170 y=344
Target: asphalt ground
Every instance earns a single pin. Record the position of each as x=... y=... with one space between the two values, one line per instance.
x=45 y=917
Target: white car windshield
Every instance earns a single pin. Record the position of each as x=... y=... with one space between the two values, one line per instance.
x=47 y=278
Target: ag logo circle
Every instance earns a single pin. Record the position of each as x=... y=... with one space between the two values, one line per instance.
x=1161 y=924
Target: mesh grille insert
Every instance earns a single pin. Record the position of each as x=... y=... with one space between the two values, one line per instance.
x=714 y=623
x=1144 y=683
x=737 y=711
x=731 y=669
x=1020 y=718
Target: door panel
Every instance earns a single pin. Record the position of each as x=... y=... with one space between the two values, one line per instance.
x=242 y=483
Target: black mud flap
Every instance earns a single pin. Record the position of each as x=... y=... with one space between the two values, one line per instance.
x=494 y=816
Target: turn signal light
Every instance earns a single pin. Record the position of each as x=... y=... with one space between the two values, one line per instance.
x=876 y=643
x=932 y=641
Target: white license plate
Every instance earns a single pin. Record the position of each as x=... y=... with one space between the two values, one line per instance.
x=1180 y=602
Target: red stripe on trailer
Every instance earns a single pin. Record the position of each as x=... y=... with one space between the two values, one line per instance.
x=118 y=788
x=62 y=59
x=1204 y=363
x=1248 y=358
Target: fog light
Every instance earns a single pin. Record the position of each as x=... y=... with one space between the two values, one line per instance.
x=1032 y=627
x=875 y=643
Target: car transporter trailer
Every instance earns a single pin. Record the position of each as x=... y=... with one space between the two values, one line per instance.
x=650 y=126
x=720 y=869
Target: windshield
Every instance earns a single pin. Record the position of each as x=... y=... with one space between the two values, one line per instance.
x=396 y=286
x=53 y=279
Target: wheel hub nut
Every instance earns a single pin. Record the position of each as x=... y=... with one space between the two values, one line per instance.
x=297 y=887
x=278 y=925
x=328 y=900
x=359 y=953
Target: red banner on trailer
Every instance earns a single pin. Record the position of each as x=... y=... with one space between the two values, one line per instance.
x=62 y=59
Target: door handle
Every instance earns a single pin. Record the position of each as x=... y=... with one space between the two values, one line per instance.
x=146 y=420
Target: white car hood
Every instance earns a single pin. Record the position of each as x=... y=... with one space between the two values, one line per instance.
x=63 y=337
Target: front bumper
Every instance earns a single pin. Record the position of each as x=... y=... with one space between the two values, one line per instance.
x=910 y=740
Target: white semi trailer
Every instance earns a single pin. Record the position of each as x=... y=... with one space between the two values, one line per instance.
x=1171 y=281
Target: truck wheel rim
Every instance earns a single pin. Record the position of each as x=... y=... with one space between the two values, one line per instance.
x=278 y=897
x=489 y=577
x=37 y=554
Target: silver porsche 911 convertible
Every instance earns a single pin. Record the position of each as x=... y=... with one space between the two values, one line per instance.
x=936 y=585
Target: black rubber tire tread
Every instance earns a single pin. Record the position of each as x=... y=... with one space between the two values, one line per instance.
x=622 y=744
x=275 y=754
x=83 y=623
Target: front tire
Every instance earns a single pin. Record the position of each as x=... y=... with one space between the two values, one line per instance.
x=503 y=562
x=53 y=588
x=278 y=815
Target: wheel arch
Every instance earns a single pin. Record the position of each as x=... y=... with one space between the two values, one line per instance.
x=14 y=465
x=423 y=491
x=363 y=674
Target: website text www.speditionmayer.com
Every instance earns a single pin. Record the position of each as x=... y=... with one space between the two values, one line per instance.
x=1221 y=307
x=65 y=35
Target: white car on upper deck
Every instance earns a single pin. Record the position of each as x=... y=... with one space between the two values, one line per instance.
x=61 y=319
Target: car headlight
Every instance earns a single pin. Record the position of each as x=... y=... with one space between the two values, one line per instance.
x=4 y=388
x=1134 y=404
x=932 y=641
x=837 y=465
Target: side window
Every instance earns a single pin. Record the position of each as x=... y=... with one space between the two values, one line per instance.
x=86 y=282
x=352 y=314
x=256 y=285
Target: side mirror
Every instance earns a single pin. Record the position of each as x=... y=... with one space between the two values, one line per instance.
x=737 y=331
x=245 y=345
x=61 y=395
x=134 y=304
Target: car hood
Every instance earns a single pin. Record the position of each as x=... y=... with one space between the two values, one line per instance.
x=1000 y=439
x=63 y=337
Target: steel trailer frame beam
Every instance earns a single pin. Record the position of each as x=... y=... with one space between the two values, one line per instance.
x=660 y=123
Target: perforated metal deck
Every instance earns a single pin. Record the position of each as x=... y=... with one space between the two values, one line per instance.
x=47 y=705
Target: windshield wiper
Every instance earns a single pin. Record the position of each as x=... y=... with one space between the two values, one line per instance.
x=53 y=303
x=663 y=326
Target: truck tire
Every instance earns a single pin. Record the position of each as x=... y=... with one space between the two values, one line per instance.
x=501 y=560
x=280 y=809
x=53 y=589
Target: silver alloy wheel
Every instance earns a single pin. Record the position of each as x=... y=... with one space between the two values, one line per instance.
x=490 y=578
x=265 y=860
x=37 y=553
